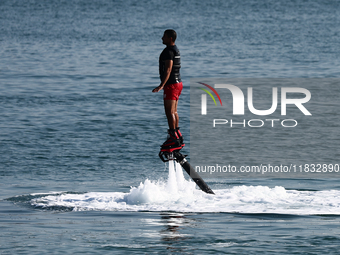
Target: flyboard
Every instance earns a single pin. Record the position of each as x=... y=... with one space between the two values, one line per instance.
x=180 y=158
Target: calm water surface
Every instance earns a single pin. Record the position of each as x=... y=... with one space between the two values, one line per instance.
x=79 y=127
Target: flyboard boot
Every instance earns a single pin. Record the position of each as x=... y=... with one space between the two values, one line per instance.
x=171 y=146
x=179 y=134
x=172 y=143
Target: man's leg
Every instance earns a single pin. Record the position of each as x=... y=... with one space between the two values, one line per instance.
x=171 y=95
x=179 y=134
x=173 y=140
x=170 y=107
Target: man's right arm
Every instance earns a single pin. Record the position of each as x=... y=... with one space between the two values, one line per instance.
x=165 y=78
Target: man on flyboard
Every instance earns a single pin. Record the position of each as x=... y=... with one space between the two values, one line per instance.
x=169 y=66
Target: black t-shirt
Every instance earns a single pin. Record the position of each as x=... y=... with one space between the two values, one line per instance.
x=170 y=53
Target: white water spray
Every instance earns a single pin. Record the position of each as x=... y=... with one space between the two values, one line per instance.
x=176 y=180
x=178 y=194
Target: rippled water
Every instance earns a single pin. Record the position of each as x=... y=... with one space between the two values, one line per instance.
x=80 y=128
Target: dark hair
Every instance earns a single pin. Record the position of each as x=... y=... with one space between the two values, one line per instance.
x=171 y=33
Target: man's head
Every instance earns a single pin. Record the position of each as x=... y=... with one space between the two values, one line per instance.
x=169 y=37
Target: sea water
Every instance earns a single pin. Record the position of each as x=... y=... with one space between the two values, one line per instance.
x=80 y=129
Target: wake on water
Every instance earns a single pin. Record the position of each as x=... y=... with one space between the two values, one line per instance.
x=179 y=195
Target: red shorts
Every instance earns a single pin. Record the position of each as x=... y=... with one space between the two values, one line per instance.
x=172 y=91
